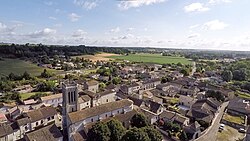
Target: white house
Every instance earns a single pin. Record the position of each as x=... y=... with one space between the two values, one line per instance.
x=52 y=100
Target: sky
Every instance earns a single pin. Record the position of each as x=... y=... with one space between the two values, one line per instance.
x=195 y=24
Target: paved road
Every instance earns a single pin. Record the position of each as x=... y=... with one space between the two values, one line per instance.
x=212 y=131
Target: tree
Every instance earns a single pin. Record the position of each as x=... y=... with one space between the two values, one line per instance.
x=99 y=132
x=135 y=134
x=215 y=94
x=139 y=120
x=153 y=134
x=26 y=75
x=116 y=80
x=227 y=75
x=240 y=75
x=183 y=136
x=45 y=74
x=116 y=130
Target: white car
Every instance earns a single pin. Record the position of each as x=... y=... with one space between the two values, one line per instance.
x=242 y=130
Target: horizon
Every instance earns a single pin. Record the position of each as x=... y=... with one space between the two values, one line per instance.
x=175 y=24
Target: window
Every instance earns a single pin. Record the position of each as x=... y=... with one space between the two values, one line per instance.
x=106 y=115
x=48 y=118
x=26 y=128
x=36 y=123
x=69 y=97
x=118 y=111
x=92 y=120
x=87 y=103
x=52 y=117
x=107 y=100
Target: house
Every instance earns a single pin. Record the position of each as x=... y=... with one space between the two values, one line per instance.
x=239 y=106
x=3 y=118
x=150 y=84
x=8 y=132
x=29 y=102
x=194 y=130
x=14 y=112
x=176 y=75
x=41 y=117
x=79 y=119
x=92 y=86
x=101 y=97
x=187 y=101
x=4 y=107
x=169 y=87
x=204 y=109
x=52 y=100
x=169 y=116
x=23 y=89
x=47 y=133
x=84 y=101
x=130 y=89
x=188 y=91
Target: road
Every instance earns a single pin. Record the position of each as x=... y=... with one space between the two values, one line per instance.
x=193 y=68
x=212 y=131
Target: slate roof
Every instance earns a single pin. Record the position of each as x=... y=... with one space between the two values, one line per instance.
x=238 y=105
x=151 y=81
x=47 y=133
x=7 y=129
x=94 y=111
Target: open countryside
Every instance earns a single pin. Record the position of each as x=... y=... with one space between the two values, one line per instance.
x=153 y=58
x=17 y=66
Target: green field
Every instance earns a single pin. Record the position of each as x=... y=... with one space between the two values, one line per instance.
x=153 y=58
x=17 y=66
x=28 y=95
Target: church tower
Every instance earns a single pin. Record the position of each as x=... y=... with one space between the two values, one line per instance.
x=70 y=103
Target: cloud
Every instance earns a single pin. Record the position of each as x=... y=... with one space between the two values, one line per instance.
x=196 y=7
x=52 y=18
x=194 y=26
x=115 y=30
x=79 y=33
x=130 y=29
x=5 y=29
x=219 y=1
x=194 y=35
x=87 y=4
x=124 y=5
x=74 y=17
x=49 y=3
x=214 y=25
x=42 y=33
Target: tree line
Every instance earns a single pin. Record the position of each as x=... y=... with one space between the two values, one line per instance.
x=33 y=51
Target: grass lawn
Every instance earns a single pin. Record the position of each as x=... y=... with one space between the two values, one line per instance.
x=234 y=119
x=229 y=134
x=152 y=58
x=19 y=67
x=28 y=95
x=243 y=95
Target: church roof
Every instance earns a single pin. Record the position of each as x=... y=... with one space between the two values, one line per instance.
x=94 y=111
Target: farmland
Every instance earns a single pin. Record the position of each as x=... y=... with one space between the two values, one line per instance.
x=96 y=57
x=152 y=58
x=17 y=66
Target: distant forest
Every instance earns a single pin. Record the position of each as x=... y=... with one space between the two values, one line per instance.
x=33 y=51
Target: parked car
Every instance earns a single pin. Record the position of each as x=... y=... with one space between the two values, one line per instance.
x=242 y=130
